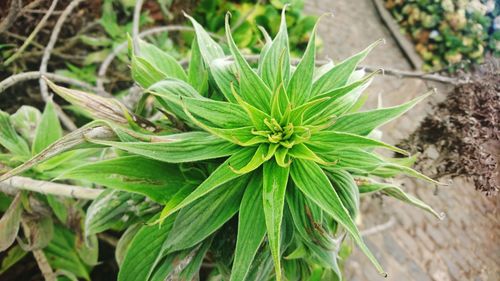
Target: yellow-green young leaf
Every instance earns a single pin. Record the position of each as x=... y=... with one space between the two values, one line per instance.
x=327 y=141
x=154 y=179
x=313 y=182
x=197 y=72
x=25 y=121
x=48 y=131
x=9 y=223
x=178 y=148
x=302 y=151
x=339 y=75
x=161 y=60
x=202 y=217
x=347 y=190
x=256 y=161
x=299 y=88
x=145 y=251
x=362 y=123
x=370 y=186
x=224 y=173
x=274 y=187
x=62 y=254
x=271 y=61
x=252 y=89
x=251 y=228
x=10 y=139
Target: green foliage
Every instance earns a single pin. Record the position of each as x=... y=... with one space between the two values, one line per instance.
x=448 y=33
x=260 y=165
x=248 y=16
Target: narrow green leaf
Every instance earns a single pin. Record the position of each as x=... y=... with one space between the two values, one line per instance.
x=145 y=251
x=346 y=188
x=197 y=72
x=256 y=161
x=341 y=99
x=10 y=139
x=14 y=255
x=302 y=151
x=252 y=89
x=299 y=88
x=326 y=141
x=161 y=60
x=154 y=179
x=202 y=217
x=144 y=73
x=178 y=148
x=115 y=208
x=251 y=228
x=48 y=131
x=271 y=60
x=370 y=186
x=362 y=123
x=313 y=182
x=339 y=75
x=224 y=173
x=274 y=187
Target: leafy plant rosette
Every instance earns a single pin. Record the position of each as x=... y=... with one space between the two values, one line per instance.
x=259 y=170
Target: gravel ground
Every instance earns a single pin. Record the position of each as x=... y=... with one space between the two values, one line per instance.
x=463 y=246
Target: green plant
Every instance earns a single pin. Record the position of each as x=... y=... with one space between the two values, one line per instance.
x=50 y=224
x=449 y=33
x=248 y=16
x=256 y=168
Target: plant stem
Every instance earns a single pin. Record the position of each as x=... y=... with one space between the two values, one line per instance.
x=12 y=185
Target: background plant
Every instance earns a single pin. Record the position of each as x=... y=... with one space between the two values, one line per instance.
x=449 y=34
x=281 y=146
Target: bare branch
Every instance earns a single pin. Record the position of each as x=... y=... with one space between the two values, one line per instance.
x=44 y=266
x=379 y=228
x=136 y=22
x=38 y=27
x=17 y=183
x=31 y=75
x=50 y=46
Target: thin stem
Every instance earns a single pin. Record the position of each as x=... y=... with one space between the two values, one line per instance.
x=50 y=46
x=38 y=27
x=10 y=186
x=31 y=75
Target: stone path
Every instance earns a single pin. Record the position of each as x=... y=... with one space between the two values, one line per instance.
x=466 y=244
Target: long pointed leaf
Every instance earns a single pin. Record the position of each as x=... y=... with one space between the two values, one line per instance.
x=313 y=182
x=251 y=228
x=275 y=182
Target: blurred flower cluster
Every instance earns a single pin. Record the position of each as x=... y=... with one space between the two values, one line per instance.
x=449 y=34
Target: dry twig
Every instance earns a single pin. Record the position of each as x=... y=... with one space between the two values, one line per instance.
x=38 y=27
x=14 y=184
